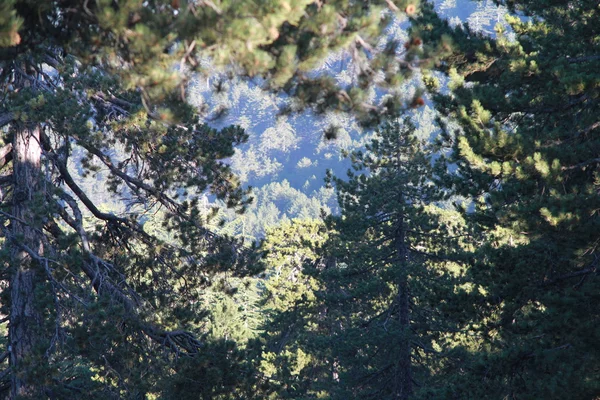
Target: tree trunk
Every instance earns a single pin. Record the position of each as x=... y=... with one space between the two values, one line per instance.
x=403 y=379
x=26 y=336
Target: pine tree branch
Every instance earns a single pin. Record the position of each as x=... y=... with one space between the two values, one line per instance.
x=369 y=377
x=165 y=200
x=10 y=216
x=436 y=256
x=537 y=110
x=579 y=60
x=114 y=99
x=434 y=235
x=77 y=224
x=376 y=264
x=425 y=348
x=131 y=225
x=44 y=262
x=532 y=355
x=7 y=180
x=103 y=285
x=68 y=179
x=112 y=103
x=240 y=253
x=584 y=272
x=582 y=164
x=121 y=106
x=5 y=154
x=590 y=128
x=51 y=60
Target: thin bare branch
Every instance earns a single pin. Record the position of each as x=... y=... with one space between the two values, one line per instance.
x=5 y=153
x=579 y=60
x=582 y=164
x=7 y=180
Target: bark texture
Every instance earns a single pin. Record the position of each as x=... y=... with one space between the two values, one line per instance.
x=26 y=313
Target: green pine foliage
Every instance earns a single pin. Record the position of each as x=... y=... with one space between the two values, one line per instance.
x=527 y=151
x=399 y=264
x=293 y=315
x=114 y=282
x=369 y=307
x=98 y=304
x=234 y=310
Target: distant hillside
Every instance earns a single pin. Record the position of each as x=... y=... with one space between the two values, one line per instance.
x=287 y=156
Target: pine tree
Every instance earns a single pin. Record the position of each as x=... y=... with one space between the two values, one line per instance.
x=527 y=155
x=90 y=293
x=292 y=315
x=373 y=310
x=397 y=262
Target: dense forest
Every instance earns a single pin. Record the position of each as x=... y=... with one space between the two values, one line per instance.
x=299 y=199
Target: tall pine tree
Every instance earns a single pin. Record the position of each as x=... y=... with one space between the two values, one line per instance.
x=377 y=317
x=397 y=262
x=527 y=153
